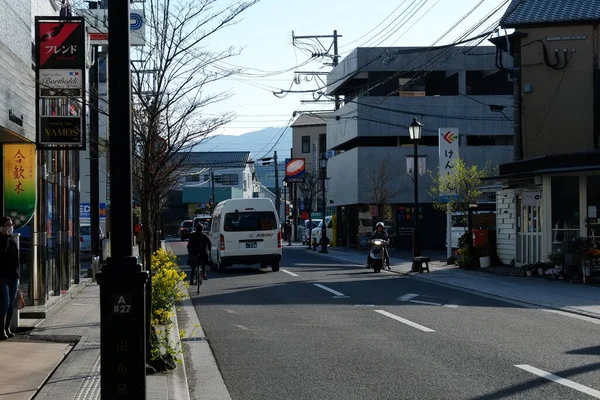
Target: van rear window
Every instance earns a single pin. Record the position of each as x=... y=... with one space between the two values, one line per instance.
x=250 y=221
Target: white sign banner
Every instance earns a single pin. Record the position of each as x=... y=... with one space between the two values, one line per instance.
x=60 y=82
x=448 y=149
x=96 y=21
x=410 y=165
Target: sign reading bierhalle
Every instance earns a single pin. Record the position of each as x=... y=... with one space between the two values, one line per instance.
x=60 y=79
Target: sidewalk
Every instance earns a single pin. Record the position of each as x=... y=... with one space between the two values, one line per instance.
x=558 y=295
x=60 y=359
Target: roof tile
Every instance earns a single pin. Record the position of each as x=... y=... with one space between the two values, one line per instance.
x=526 y=12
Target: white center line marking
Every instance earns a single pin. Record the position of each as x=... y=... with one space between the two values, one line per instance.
x=407 y=297
x=451 y=305
x=561 y=381
x=335 y=292
x=577 y=316
x=404 y=321
x=288 y=272
x=429 y=303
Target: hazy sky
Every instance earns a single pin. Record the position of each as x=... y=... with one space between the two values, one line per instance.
x=266 y=30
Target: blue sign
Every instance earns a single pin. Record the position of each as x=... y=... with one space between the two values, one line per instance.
x=447 y=199
x=85 y=211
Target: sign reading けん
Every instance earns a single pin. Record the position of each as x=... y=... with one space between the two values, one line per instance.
x=448 y=148
x=295 y=169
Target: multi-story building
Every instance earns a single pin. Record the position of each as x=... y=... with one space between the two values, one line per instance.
x=224 y=175
x=309 y=139
x=382 y=89
x=551 y=192
x=47 y=186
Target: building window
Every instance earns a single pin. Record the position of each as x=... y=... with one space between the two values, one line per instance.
x=322 y=143
x=230 y=179
x=192 y=178
x=306 y=144
x=205 y=177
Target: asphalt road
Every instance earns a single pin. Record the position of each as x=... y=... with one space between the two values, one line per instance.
x=361 y=335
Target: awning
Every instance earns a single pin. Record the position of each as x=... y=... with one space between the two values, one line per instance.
x=554 y=164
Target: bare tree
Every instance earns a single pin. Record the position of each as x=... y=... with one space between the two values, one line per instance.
x=310 y=190
x=171 y=76
x=381 y=186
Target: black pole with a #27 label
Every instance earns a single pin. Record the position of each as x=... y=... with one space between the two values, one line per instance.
x=122 y=280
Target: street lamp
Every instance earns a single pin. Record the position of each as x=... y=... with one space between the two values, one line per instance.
x=323 y=166
x=414 y=131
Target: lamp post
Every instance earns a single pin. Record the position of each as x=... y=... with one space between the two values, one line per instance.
x=323 y=166
x=414 y=131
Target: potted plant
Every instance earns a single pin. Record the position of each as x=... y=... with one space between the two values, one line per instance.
x=556 y=258
x=527 y=269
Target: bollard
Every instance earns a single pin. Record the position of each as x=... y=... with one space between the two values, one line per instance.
x=95 y=267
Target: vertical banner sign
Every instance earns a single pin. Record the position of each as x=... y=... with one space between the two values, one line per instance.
x=448 y=149
x=60 y=82
x=295 y=169
x=19 y=182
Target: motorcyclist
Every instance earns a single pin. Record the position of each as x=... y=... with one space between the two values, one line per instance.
x=380 y=233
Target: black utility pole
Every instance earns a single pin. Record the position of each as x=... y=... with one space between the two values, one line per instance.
x=277 y=193
x=94 y=156
x=295 y=214
x=122 y=281
x=323 y=165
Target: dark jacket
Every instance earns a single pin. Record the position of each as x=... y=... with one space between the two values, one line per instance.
x=9 y=258
x=199 y=245
x=380 y=235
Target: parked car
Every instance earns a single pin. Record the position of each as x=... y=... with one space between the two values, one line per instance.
x=306 y=228
x=245 y=231
x=85 y=239
x=185 y=229
x=318 y=230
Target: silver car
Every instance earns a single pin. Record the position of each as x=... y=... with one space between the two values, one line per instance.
x=85 y=239
x=306 y=228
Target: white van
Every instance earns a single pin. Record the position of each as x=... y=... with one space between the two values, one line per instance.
x=245 y=231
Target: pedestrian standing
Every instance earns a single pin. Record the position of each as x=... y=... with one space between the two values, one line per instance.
x=9 y=275
x=288 y=231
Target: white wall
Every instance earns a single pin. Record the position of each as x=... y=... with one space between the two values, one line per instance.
x=506 y=225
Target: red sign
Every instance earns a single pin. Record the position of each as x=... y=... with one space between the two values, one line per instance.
x=61 y=44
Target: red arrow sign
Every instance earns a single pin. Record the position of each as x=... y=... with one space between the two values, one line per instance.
x=449 y=137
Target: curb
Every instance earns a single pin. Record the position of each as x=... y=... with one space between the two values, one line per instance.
x=178 y=386
x=208 y=383
x=475 y=291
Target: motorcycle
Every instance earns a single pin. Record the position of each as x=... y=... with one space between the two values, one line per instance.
x=377 y=254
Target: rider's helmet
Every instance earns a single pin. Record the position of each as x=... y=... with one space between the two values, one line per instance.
x=379 y=225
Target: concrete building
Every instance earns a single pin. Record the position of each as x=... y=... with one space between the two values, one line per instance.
x=551 y=194
x=382 y=89
x=309 y=138
x=40 y=197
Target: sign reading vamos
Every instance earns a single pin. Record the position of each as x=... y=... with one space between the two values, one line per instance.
x=60 y=79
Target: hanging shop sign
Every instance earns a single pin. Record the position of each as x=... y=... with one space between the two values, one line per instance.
x=295 y=170
x=60 y=82
x=19 y=182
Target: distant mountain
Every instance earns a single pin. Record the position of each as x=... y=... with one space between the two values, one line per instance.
x=257 y=142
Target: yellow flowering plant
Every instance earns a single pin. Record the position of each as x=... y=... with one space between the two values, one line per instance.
x=166 y=291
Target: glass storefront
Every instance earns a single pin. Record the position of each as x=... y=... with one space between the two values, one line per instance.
x=593 y=206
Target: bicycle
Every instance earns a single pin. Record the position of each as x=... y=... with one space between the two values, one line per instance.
x=199 y=278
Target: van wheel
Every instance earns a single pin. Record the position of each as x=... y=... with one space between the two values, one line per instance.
x=220 y=266
x=275 y=266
